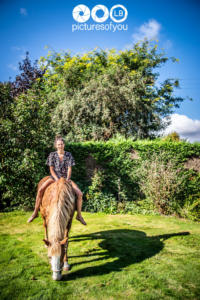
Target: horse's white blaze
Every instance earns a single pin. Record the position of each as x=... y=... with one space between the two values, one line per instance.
x=56 y=267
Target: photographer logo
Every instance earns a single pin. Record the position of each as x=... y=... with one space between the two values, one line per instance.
x=81 y=13
x=99 y=14
x=101 y=8
x=118 y=13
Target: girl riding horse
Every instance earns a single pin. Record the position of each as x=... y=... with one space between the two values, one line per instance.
x=60 y=163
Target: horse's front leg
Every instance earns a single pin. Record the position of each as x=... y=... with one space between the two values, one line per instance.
x=66 y=266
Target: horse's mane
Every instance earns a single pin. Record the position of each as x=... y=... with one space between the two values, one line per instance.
x=61 y=210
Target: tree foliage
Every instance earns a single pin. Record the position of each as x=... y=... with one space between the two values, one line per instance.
x=24 y=136
x=93 y=96
x=172 y=137
x=102 y=93
x=29 y=74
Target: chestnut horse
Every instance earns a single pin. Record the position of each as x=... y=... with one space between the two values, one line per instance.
x=57 y=210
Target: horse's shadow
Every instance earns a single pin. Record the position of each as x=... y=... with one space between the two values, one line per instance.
x=122 y=246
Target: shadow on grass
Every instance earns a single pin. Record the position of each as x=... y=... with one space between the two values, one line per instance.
x=124 y=246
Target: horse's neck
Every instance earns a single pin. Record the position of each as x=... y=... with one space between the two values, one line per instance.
x=60 y=215
x=56 y=225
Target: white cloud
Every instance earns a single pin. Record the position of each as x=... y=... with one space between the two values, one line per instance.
x=15 y=48
x=149 y=31
x=127 y=47
x=23 y=11
x=21 y=52
x=22 y=56
x=12 y=67
x=167 y=45
x=187 y=128
x=18 y=48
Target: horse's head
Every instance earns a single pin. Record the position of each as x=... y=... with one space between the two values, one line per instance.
x=56 y=255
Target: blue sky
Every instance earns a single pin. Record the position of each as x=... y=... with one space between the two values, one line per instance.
x=30 y=25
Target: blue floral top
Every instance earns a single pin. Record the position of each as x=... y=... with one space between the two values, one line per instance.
x=60 y=167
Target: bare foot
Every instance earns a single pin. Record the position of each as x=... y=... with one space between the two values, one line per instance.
x=32 y=218
x=80 y=219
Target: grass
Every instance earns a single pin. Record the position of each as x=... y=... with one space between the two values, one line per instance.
x=113 y=257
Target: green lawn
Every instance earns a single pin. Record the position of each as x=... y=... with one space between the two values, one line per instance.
x=113 y=257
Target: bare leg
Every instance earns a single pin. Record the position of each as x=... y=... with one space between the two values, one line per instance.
x=79 y=207
x=46 y=233
x=79 y=202
x=39 y=199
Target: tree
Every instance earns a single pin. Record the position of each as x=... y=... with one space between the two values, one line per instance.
x=24 y=135
x=172 y=137
x=103 y=93
x=5 y=99
x=29 y=74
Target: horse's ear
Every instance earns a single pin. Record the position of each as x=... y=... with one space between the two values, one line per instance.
x=47 y=242
x=63 y=242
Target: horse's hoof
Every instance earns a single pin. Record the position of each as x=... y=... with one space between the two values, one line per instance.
x=66 y=267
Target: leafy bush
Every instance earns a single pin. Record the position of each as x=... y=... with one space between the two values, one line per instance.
x=172 y=137
x=97 y=200
x=26 y=142
x=161 y=181
x=144 y=207
x=191 y=208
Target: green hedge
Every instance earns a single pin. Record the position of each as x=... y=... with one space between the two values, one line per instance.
x=117 y=163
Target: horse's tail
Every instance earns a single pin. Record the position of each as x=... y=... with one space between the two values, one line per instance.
x=62 y=210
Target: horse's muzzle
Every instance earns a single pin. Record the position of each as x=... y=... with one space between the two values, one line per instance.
x=56 y=268
x=57 y=275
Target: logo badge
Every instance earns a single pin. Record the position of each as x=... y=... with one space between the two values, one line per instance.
x=118 y=13
x=99 y=14
x=81 y=13
x=98 y=8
